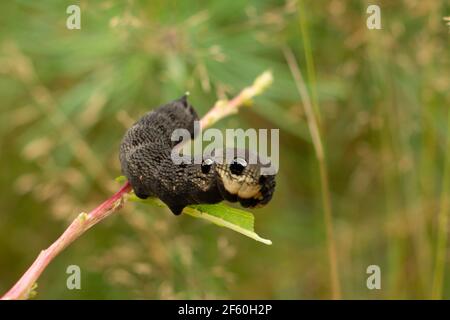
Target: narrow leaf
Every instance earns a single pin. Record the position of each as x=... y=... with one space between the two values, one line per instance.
x=235 y=219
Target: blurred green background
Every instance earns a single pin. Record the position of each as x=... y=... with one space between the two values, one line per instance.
x=381 y=97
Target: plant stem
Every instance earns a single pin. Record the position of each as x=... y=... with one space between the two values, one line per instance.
x=441 y=247
x=320 y=155
x=24 y=287
x=310 y=70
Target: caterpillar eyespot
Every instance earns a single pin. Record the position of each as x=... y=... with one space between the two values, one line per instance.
x=206 y=165
x=237 y=166
x=145 y=158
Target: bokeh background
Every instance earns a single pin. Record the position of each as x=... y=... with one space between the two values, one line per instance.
x=381 y=98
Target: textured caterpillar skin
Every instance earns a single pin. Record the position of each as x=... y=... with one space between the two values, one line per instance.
x=145 y=157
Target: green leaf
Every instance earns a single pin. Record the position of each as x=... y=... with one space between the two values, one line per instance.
x=121 y=179
x=235 y=219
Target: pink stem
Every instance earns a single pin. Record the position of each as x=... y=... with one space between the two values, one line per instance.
x=82 y=223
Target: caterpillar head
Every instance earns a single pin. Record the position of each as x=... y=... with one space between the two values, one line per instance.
x=241 y=178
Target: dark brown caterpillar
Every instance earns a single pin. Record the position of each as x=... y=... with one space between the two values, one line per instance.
x=145 y=157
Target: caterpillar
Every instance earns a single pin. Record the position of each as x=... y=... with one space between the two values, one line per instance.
x=145 y=158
